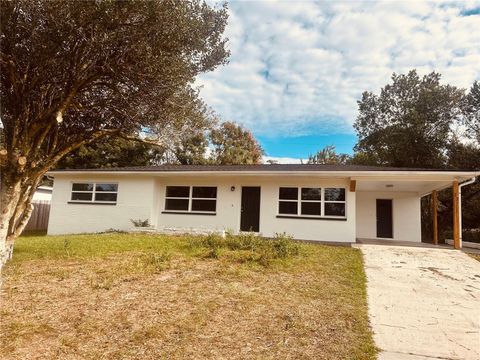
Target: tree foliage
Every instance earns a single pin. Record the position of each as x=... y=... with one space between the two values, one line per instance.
x=233 y=144
x=220 y=144
x=328 y=156
x=472 y=112
x=413 y=122
x=73 y=72
x=108 y=153
x=409 y=123
x=463 y=156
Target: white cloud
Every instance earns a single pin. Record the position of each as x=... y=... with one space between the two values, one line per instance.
x=283 y=160
x=298 y=67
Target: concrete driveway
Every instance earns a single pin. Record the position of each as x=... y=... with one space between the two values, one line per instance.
x=423 y=303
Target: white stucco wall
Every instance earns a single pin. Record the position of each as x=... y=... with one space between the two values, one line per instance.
x=229 y=203
x=143 y=197
x=406 y=215
x=135 y=201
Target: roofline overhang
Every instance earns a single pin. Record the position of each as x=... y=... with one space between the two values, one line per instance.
x=354 y=175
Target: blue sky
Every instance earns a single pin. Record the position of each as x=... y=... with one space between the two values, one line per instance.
x=297 y=68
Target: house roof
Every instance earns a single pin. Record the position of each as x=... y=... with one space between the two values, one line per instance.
x=259 y=168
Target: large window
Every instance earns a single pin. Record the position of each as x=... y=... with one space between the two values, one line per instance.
x=312 y=202
x=191 y=199
x=103 y=193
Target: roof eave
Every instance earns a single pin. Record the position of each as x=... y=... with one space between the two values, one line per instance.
x=343 y=173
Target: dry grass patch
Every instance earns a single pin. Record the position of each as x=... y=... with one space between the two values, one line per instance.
x=475 y=256
x=123 y=296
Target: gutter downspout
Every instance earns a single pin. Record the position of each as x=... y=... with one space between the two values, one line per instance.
x=468 y=182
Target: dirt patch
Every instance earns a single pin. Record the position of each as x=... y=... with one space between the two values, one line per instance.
x=438 y=272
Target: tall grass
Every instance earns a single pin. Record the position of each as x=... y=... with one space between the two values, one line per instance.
x=242 y=247
x=248 y=247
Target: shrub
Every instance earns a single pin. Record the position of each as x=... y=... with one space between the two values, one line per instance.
x=284 y=246
x=140 y=223
x=244 y=241
x=213 y=242
x=472 y=235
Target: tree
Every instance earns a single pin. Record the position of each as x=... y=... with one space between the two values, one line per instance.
x=191 y=148
x=472 y=111
x=233 y=144
x=116 y=152
x=409 y=123
x=412 y=123
x=73 y=72
x=463 y=156
x=186 y=148
x=328 y=156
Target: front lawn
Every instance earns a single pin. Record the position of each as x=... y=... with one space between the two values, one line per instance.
x=132 y=296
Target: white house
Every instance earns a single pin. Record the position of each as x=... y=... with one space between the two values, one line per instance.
x=332 y=203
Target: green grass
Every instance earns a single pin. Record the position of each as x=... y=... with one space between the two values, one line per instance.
x=32 y=247
x=136 y=296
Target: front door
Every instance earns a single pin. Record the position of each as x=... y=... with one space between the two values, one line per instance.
x=384 y=218
x=250 y=212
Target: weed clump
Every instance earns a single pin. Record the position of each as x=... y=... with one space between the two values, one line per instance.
x=154 y=262
x=247 y=247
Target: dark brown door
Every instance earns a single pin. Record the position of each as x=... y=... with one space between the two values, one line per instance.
x=250 y=212
x=384 y=218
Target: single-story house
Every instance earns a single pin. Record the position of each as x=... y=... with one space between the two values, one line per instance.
x=331 y=203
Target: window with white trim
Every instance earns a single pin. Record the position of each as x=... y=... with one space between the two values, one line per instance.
x=194 y=199
x=104 y=193
x=312 y=202
x=334 y=202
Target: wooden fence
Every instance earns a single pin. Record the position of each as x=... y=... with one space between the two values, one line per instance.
x=39 y=219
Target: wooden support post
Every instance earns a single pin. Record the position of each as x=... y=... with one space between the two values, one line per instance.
x=353 y=185
x=456 y=216
x=435 y=217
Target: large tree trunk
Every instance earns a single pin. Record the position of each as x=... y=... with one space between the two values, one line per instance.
x=15 y=210
x=10 y=192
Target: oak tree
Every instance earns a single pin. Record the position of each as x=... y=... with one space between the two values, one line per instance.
x=410 y=122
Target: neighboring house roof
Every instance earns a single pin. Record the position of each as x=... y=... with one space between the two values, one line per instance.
x=260 y=168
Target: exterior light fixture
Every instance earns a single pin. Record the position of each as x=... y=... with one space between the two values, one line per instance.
x=232 y=188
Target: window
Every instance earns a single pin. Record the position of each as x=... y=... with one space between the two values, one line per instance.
x=335 y=202
x=312 y=202
x=177 y=198
x=94 y=192
x=193 y=199
x=288 y=203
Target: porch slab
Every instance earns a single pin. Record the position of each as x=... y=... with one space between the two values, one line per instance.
x=423 y=302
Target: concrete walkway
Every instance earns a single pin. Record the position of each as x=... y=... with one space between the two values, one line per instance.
x=423 y=303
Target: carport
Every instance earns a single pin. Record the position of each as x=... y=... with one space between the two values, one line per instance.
x=385 y=189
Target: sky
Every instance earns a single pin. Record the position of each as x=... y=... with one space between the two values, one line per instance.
x=297 y=68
